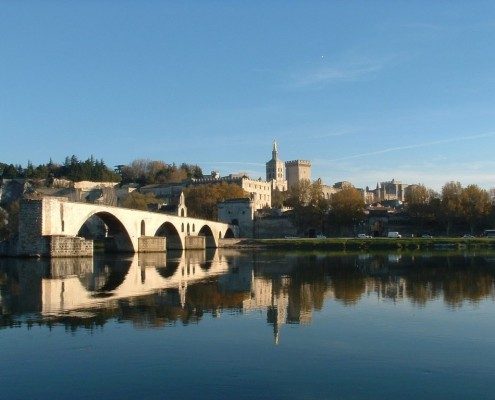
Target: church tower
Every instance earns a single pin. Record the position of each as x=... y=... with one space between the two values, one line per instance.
x=275 y=170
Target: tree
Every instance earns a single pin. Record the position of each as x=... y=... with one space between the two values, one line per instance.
x=139 y=201
x=278 y=198
x=309 y=205
x=202 y=200
x=146 y=172
x=418 y=199
x=11 y=172
x=451 y=203
x=192 y=171
x=475 y=203
x=299 y=194
x=346 y=208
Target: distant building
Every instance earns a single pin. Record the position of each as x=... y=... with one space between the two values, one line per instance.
x=343 y=184
x=238 y=212
x=260 y=191
x=296 y=171
x=275 y=171
x=327 y=190
x=89 y=185
x=391 y=190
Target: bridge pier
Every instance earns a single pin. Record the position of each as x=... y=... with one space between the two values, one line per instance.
x=152 y=244
x=195 y=243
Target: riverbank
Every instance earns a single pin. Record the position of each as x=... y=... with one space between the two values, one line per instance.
x=345 y=244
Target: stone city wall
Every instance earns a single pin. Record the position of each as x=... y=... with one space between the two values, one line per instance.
x=273 y=227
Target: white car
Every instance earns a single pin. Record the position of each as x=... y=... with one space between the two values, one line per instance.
x=363 y=236
x=394 y=235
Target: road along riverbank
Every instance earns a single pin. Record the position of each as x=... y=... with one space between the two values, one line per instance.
x=361 y=244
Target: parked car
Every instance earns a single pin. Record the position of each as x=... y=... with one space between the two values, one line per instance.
x=467 y=236
x=394 y=235
x=363 y=236
x=427 y=236
x=321 y=237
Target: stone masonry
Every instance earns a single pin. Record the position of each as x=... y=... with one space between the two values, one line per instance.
x=41 y=220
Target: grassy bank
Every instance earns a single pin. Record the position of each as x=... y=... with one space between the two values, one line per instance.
x=347 y=244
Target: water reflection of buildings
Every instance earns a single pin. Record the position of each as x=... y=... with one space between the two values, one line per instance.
x=395 y=288
x=274 y=296
x=156 y=290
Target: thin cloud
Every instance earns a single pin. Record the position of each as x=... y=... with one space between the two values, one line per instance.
x=327 y=135
x=232 y=163
x=350 y=71
x=414 y=146
x=329 y=75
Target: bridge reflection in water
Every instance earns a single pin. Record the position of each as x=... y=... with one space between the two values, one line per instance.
x=157 y=289
x=99 y=283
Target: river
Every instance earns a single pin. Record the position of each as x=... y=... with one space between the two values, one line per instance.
x=249 y=324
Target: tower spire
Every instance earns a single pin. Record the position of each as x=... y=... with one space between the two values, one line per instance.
x=274 y=150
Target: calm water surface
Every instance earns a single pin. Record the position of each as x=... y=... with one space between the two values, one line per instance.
x=243 y=325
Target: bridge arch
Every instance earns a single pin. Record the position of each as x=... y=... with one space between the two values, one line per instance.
x=229 y=234
x=171 y=233
x=111 y=230
x=170 y=269
x=106 y=276
x=210 y=239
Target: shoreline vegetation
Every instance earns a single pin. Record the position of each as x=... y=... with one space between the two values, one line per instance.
x=346 y=244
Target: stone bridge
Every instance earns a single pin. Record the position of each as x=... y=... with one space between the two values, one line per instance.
x=52 y=226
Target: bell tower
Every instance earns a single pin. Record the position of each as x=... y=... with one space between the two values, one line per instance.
x=275 y=170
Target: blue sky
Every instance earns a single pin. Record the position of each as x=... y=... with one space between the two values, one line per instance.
x=368 y=91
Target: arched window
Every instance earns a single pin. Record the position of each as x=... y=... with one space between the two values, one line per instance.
x=183 y=227
x=182 y=212
x=194 y=228
x=143 y=228
x=188 y=229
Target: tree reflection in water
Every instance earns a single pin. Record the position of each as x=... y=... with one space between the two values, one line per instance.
x=156 y=291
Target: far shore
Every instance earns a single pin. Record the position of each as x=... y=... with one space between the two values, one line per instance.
x=344 y=244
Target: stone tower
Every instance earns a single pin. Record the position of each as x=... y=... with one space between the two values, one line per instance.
x=275 y=167
x=297 y=170
x=275 y=170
